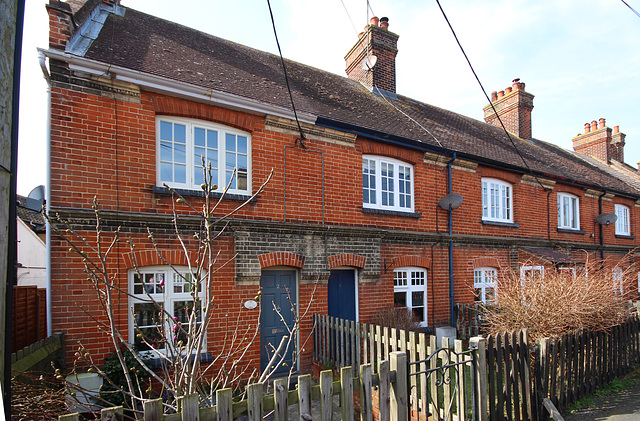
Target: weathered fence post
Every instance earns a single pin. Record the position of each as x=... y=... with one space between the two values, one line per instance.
x=304 y=397
x=346 y=395
x=254 y=402
x=384 y=404
x=224 y=405
x=478 y=344
x=153 y=410
x=399 y=407
x=541 y=374
x=366 y=406
x=114 y=414
x=326 y=395
x=281 y=399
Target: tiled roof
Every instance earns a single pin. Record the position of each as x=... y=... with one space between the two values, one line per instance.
x=152 y=45
x=32 y=218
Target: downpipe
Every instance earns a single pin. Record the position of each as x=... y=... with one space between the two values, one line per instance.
x=450 y=225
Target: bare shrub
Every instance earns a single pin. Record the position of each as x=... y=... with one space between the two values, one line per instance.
x=557 y=301
x=398 y=317
x=37 y=397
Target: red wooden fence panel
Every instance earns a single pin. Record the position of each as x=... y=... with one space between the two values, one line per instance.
x=29 y=319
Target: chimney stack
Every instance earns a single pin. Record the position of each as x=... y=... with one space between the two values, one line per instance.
x=599 y=142
x=513 y=106
x=378 y=41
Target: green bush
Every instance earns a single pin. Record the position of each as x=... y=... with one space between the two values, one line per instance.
x=112 y=392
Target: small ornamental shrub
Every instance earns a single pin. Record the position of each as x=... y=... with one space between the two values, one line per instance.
x=397 y=317
x=552 y=302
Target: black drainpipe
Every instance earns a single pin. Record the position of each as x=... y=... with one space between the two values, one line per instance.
x=450 y=224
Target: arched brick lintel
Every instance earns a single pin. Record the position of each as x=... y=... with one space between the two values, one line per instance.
x=481 y=262
x=150 y=257
x=374 y=148
x=177 y=107
x=352 y=260
x=417 y=261
x=281 y=258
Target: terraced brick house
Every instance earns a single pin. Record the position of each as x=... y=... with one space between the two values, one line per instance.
x=356 y=207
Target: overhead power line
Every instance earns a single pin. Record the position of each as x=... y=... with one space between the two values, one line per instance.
x=487 y=96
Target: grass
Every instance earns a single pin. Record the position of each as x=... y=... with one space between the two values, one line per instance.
x=618 y=385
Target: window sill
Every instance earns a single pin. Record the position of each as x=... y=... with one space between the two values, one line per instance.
x=501 y=224
x=392 y=212
x=626 y=237
x=155 y=363
x=571 y=231
x=200 y=193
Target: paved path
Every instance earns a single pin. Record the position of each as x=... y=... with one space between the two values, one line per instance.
x=623 y=406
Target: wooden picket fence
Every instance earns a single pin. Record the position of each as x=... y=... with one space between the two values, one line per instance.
x=468 y=320
x=509 y=377
x=576 y=364
x=391 y=384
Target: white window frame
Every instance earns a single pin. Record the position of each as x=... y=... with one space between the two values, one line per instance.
x=408 y=280
x=483 y=278
x=166 y=158
x=401 y=190
x=617 y=276
x=497 y=200
x=532 y=269
x=165 y=294
x=568 y=211
x=623 y=226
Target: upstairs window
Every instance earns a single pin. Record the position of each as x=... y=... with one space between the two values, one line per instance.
x=387 y=184
x=568 y=212
x=410 y=291
x=497 y=201
x=622 y=223
x=181 y=144
x=484 y=284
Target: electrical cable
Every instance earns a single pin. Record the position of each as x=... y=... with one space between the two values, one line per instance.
x=409 y=117
x=632 y=9
x=349 y=16
x=487 y=97
x=286 y=78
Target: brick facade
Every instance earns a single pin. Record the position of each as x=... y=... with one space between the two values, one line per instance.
x=309 y=218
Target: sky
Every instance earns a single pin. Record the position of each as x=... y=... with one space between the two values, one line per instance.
x=580 y=58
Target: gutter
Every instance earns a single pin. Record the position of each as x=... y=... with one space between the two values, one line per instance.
x=165 y=85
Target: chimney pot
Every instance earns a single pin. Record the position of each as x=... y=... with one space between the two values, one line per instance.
x=384 y=23
x=517 y=84
x=507 y=90
x=616 y=129
x=601 y=126
x=594 y=126
x=587 y=128
x=374 y=21
x=494 y=96
x=500 y=94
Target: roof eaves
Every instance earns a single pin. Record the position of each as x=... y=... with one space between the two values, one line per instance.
x=163 y=84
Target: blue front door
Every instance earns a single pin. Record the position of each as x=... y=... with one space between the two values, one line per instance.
x=278 y=307
x=341 y=293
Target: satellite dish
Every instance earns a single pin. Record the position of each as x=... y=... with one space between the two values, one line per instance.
x=35 y=200
x=369 y=62
x=606 y=218
x=451 y=201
